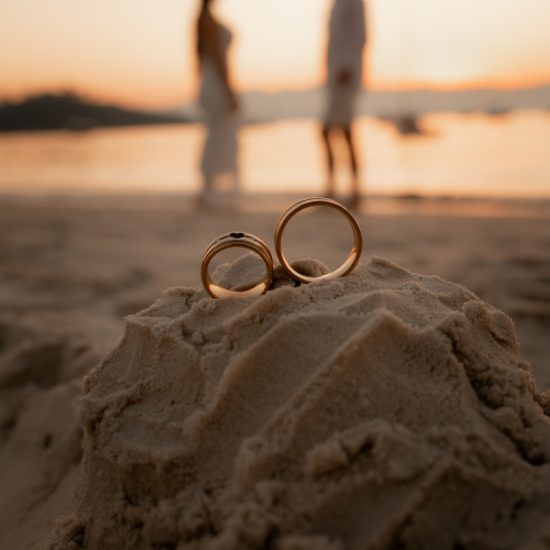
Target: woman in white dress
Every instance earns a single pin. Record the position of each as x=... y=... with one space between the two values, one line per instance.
x=219 y=103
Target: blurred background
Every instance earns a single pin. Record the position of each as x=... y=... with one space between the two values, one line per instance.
x=474 y=77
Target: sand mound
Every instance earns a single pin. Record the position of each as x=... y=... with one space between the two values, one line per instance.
x=381 y=410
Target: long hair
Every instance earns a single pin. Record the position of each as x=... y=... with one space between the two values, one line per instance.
x=200 y=38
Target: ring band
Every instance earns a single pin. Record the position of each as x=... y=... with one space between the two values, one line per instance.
x=355 y=252
x=236 y=240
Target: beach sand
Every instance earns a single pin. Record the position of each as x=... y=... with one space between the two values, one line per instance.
x=72 y=269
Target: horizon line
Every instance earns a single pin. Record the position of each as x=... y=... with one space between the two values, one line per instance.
x=477 y=86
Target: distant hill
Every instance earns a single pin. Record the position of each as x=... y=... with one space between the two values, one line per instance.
x=71 y=112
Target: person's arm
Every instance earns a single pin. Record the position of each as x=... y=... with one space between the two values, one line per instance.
x=351 y=38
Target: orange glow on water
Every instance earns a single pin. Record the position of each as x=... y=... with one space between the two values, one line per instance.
x=464 y=155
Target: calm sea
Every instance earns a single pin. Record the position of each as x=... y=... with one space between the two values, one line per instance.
x=474 y=155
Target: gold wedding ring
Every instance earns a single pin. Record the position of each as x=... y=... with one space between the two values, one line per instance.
x=236 y=240
x=351 y=260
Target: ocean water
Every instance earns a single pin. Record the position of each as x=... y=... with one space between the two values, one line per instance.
x=460 y=155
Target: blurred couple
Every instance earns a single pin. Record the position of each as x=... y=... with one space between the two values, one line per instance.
x=347 y=39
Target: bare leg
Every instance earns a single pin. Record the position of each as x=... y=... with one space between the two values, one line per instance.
x=355 y=191
x=330 y=161
x=204 y=199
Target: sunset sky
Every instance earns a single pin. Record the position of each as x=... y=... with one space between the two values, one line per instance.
x=140 y=52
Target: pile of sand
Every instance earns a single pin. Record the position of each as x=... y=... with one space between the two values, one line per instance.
x=384 y=409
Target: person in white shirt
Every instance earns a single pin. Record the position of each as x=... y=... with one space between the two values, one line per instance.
x=347 y=39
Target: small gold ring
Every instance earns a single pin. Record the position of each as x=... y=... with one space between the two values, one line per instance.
x=239 y=240
x=355 y=252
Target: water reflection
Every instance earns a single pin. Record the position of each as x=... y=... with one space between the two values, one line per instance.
x=464 y=155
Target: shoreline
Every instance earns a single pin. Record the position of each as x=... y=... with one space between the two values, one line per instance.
x=266 y=202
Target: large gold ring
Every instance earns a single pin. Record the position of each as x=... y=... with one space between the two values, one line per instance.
x=355 y=252
x=240 y=240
